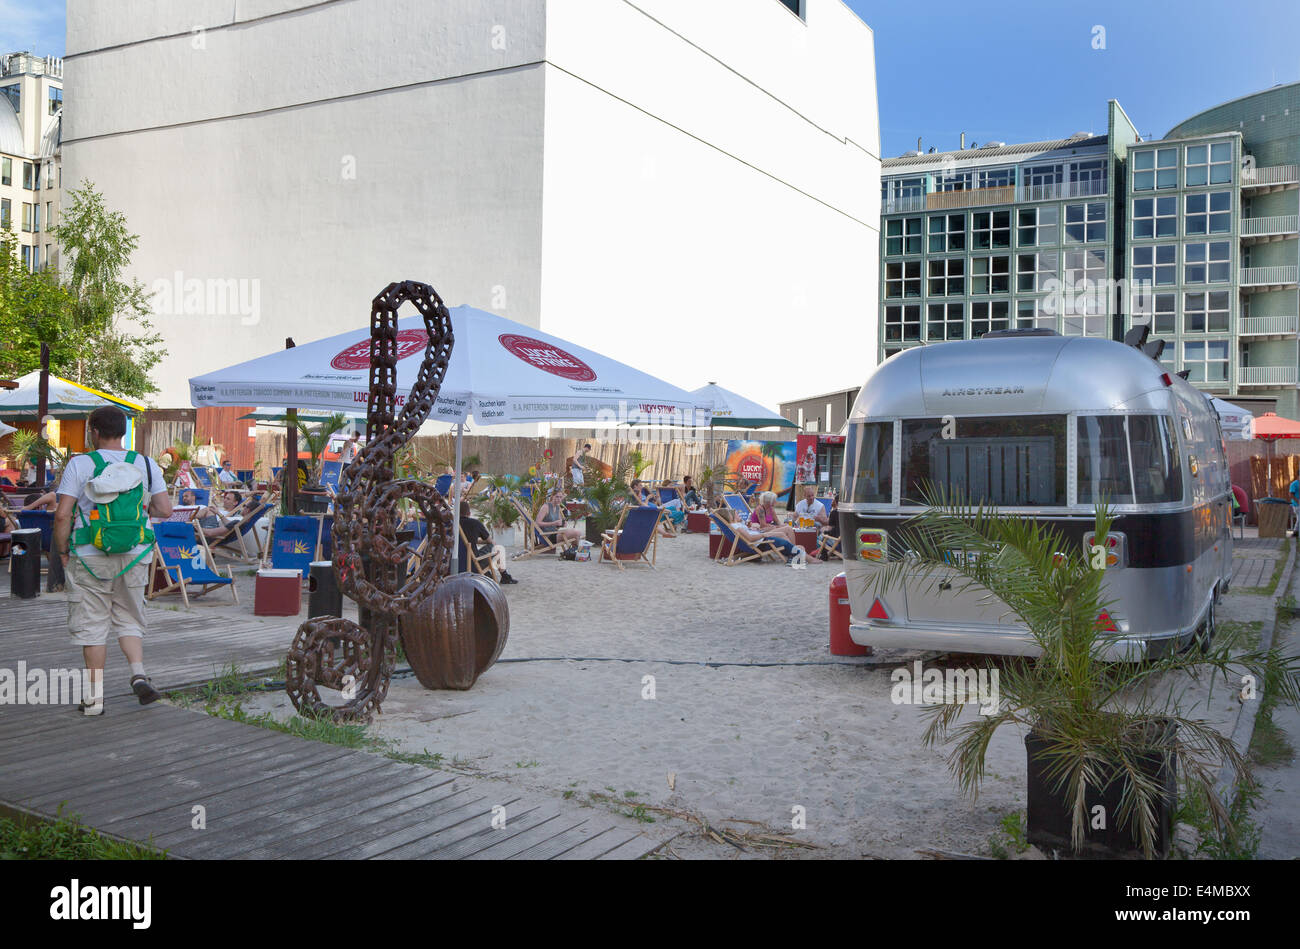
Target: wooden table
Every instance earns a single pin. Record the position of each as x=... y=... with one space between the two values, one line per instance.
x=807 y=540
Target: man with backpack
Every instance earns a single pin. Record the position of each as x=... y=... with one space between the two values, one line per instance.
x=101 y=532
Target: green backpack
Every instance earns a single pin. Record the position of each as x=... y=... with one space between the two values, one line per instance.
x=119 y=526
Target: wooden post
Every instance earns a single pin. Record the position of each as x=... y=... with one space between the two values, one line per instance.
x=42 y=409
x=291 y=453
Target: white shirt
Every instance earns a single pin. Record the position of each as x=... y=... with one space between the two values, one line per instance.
x=813 y=509
x=227 y=477
x=349 y=452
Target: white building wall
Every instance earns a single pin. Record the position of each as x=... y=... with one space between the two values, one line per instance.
x=712 y=190
x=584 y=163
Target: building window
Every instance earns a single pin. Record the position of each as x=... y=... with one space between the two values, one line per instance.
x=1038 y=226
x=947 y=233
x=990 y=275
x=1209 y=164
x=1209 y=212
x=14 y=94
x=27 y=257
x=948 y=277
x=1034 y=270
x=1085 y=223
x=903 y=236
x=1207 y=360
x=903 y=280
x=36 y=218
x=30 y=179
x=1155 y=217
x=1155 y=168
x=1033 y=314
x=49 y=175
x=945 y=321
x=794 y=6
x=956 y=181
x=897 y=188
x=7 y=171
x=903 y=323
x=1156 y=266
x=56 y=100
x=1163 y=313
x=990 y=229
x=1087 y=177
x=27 y=218
x=6 y=212
x=49 y=214
x=995 y=178
x=1205 y=312
x=987 y=317
x=1207 y=263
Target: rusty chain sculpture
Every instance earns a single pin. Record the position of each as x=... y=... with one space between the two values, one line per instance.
x=370 y=559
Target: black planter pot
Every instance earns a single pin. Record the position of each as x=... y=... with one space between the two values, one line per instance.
x=593 y=531
x=1049 y=818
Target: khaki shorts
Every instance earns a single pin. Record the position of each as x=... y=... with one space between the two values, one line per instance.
x=95 y=606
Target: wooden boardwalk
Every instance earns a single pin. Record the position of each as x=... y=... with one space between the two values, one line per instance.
x=139 y=772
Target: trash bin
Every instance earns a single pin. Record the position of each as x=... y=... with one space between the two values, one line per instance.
x=324 y=598
x=1274 y=516
x=25 y=564
x=842 y=643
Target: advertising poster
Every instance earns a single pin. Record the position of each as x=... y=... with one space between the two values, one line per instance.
x=805 y=454
x=770 y=465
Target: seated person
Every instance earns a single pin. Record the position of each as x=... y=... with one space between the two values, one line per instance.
x=8 y=523
x=752 y=535
x=481 y=541
x=227 y=473
x=691 y=495
x=810 y=508
x=550 y=521
x=215 y=520
x=41 y=502
x=640 y=491
x=763 y=519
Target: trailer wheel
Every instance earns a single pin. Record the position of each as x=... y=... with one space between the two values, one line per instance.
x=1205 y=635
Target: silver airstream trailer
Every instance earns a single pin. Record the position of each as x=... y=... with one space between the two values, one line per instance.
x=1043 y=425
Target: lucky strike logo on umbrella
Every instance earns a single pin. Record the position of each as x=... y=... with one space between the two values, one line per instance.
x=357 y=356
x=548 y=357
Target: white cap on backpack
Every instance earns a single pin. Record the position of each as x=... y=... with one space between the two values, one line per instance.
x=112 y=481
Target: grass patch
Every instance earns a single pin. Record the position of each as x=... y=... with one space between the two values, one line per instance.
x=1238 y=841
x=301 y=726
x=426 y=758
x=66 y=838
x=1269 y=744
x=1238 y=635
x=1010 y=838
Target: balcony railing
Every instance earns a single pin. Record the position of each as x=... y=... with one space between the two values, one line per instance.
x=1269 y=276
x=1269 y=326
x=983 y=197
x=1280 y=224
x=1272 y=175
x=1266 y=375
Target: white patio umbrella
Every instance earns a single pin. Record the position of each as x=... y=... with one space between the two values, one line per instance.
x=6 y=429
x=1237 y=423
x=65 y=398
x=501 y=372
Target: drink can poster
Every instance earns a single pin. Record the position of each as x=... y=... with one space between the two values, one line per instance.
x=770 y=465
x=805 y=453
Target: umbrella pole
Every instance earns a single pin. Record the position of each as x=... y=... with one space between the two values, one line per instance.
x=455 y=560
x=43 y=410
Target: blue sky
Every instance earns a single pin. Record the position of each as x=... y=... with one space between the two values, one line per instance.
x=37 y=26
x=1026 y=70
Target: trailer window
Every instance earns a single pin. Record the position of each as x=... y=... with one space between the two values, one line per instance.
x=869 y=463
x=1128 y=459
x=1002 y=461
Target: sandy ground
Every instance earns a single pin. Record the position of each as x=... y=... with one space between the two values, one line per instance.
x=777 y=728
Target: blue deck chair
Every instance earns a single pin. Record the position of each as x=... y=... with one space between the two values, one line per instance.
x=827 y=503
x=295 y=541
x=667 y=494
x=182 y=559
x=275 y=471
x=38 y=520
x=245 y=475
x=202 y=496
x=238 y=538
x=330 y=472
x=443 y=484
x=204 y=476
x=734 y=549
x=637 y=533
x=737 y=504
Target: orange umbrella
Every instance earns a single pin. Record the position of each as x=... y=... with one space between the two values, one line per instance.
x=1270 y=427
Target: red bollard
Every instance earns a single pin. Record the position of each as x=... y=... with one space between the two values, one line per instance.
x=841 y=643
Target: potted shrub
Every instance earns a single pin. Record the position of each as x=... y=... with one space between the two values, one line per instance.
x=315 y=439
x=605 y=499
x=1099 y=732
x=500 y=515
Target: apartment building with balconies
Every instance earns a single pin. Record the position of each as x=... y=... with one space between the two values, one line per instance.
x=31 y=131
x=1194 y=234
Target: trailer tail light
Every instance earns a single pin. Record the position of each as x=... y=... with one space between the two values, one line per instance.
x=1105 y=624
x=1115 y=545
x=872 y=545
x=878 y=610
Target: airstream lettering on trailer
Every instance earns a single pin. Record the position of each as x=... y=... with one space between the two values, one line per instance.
x=1043 y=425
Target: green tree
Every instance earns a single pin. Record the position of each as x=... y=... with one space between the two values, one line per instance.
x=316 y=438
x=31 y=309
x=105 y=322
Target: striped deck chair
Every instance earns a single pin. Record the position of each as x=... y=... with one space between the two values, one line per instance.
x=184 y=562
x=636 y=534
x=734 y=549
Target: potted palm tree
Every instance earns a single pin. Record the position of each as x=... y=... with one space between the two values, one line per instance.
x=315 y=439
x=1102 y=734
x=606 y=497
